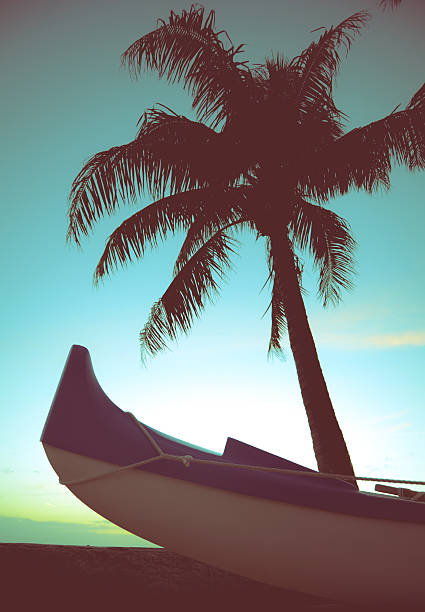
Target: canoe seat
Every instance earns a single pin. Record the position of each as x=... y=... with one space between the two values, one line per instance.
x=401 y=492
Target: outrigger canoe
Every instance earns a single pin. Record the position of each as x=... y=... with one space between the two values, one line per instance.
x=275 y=522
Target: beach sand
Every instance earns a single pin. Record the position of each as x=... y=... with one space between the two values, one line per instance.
x=45 y=577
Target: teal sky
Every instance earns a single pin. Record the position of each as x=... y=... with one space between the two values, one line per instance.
x=65 y=97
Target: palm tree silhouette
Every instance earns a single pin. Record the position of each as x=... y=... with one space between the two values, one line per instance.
x=267 y=151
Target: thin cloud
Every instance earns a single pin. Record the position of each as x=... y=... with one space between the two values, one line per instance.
x=373 y=341
x=378 y=419
x=399 y=427
x=408 y=338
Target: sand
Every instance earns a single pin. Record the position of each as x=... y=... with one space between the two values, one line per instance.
x=44 y=577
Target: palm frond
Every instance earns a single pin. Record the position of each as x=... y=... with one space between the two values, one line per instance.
x=279 y=327
x=363 y=158
x=170 y=152
x=181 y=150
x=328 y=239
x=107 y=179
x=149 y=225
x=417 y=102
x=187 y=294
x=189 y=48
x=319 y=63
x=392 y=4
x=222 y=211
x=371 y=150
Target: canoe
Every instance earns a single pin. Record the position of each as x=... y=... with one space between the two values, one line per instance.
x=278 y=523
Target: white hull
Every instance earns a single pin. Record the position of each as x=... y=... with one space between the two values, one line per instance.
x=337 y=556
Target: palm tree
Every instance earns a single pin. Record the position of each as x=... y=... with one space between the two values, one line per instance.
x=266 y=152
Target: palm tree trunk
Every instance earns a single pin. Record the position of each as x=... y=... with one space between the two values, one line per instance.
x=328 y=442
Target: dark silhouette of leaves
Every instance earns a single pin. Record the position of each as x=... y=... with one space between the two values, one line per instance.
x=193 y=285
x=268 y=151
x=391 y=4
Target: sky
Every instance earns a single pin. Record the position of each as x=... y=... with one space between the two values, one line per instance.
x=65 y=97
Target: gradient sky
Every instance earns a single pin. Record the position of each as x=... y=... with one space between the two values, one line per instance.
x=65 y=97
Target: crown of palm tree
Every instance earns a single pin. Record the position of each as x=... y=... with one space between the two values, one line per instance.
x=267 y=150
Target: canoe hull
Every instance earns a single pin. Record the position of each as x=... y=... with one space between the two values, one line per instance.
x=337 y=556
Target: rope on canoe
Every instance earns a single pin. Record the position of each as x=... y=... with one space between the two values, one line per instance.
x=187 y=460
